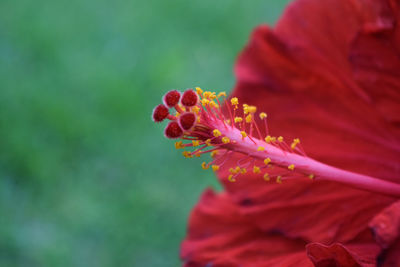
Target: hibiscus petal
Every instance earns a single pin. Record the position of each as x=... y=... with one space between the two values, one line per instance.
x=302 y=75
x=219 y=235
x=312 y=210
x=355 y=255
x=386 y=229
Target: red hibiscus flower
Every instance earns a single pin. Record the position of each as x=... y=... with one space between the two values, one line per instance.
x=329 y=73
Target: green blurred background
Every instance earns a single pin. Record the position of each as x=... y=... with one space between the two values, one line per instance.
x=86 y=178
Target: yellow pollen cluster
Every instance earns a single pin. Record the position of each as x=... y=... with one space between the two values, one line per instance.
x=213 y=153
x=263 y=115
x=234 y=171
x=295 y=142
x=238 y=119
x=280 y=139
x=268 y=139
x=208 y=142
x=213 y=104
x=199 y=91
x=291 y=167
x=266 y=177
x=267 y=161
x=205 y=102
x=311 y=176
x=216 y=133
x=231 y=179
x=215 y=167
x=225 y=140
x=260 y=148
x=187 y=154
x=196 y=142
x=279 y=179
x=249 y=109
x=179 y=145
x=243 y=133
x=204 y=166
x=222 y=94
x=256 y=169
x=249 y=118
x=235 y=102
x=196 y=109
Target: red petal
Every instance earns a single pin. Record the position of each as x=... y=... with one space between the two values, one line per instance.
x=312 y=210
x=386 y=225
x=338 y=255
x=303 y=75
x=219 y=235
x=386 y=229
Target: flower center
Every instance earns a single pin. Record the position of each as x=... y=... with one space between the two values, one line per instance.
x=203 y=127
x=201 y=124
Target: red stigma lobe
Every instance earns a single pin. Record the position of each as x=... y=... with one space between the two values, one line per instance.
x=187 y=120
x=160 y=112
x=189 y=98
x=173 y=130
x=171 y=98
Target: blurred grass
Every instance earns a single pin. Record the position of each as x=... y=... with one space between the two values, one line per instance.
x=86 y=179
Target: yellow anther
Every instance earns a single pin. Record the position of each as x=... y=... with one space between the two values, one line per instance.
x=215 y=167
x=205 y=166
x=196 y=142
x=267 y=161
x=198 y=119
x=311 y=176
x=213 y=95
x=243 y=133
x=245 y=109
x=256 y=169
x=199 y=91
x=205 y=102
x=279 y=179
x=260 y=148
x=291 y=167
x=243 y=170
x=177 y=114
x=214 y=153
x=295 y=142
x=213 y=104
x=266 y=177
x=207 y=94
x=249 y=118
x=187 y=154
x=216 y=133
x=225 y=140
x=231 y=179
x=273 y=139
x=196 y=109
x=233 y=171
x=222 y=94
x=238 y=119
x=268 y=139
x=252 y=109
x=179 y=145
x=234 y=101
x=208 y=142
x=263 y=115
x=280 y=139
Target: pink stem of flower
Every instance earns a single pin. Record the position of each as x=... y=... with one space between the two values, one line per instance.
x=307 y=165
